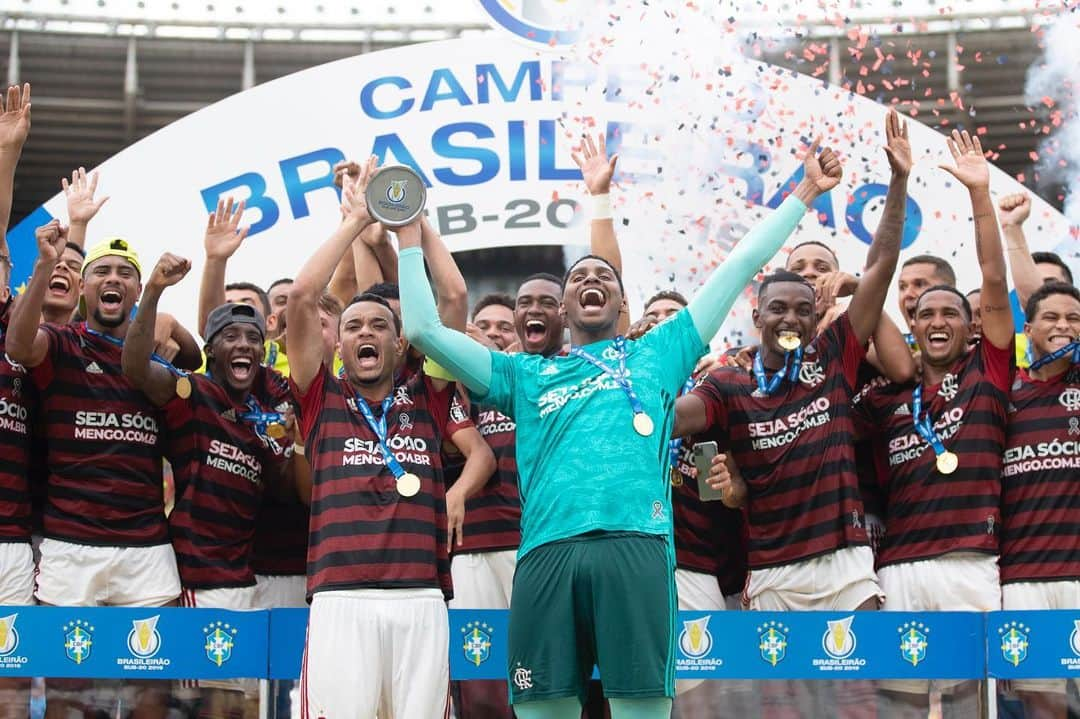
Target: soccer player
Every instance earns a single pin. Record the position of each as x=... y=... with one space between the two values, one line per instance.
x=595 y=576
x=918 y=274
x=381 y=520
x=1040 y=545
x=945 y=436
x=18 y=401
x=224 y=450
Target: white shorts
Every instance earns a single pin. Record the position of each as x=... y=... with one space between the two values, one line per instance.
x=81 y=575
x=839 y=581
x=377 y=652
x=483 y=580
x=280 y=591
x=1041 y=595
x=954 y=582
x=16 y=574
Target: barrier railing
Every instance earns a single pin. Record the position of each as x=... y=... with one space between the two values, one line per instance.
x=175 y=643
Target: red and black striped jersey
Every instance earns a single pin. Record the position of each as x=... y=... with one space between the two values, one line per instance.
x=18 y=402
x=281 y=537
x=795 y=450
x=104 y=454
x=363 y=534
x=492 y=515
x=221 y=468
x=928 y=513
x=1040 y=504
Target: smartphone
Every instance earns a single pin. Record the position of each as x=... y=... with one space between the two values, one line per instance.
x=703 y=454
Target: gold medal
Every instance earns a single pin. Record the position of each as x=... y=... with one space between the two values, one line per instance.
x=408 y=485
x=947 y=462
x=790 y=343
x=276 y=430
x=642 y=424
x=676 y=477
x=183 y=387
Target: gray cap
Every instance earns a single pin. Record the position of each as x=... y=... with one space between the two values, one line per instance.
x=232 y=313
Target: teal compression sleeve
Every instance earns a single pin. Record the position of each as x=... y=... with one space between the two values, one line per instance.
x=713 y=301
x=464 y=358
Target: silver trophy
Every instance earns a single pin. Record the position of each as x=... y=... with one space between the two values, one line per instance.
x=395 y=195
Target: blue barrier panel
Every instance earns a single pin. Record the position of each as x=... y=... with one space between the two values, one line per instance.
x=150 y=643
x=1033 y=645
x=288 y=633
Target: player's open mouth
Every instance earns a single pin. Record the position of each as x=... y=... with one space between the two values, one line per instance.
x=592 y=297
x=1059 y=340
x=938 y=340
x=535 y=331
x=111 y=300
x=367 y=356
x=59 y=285
x=241 y=368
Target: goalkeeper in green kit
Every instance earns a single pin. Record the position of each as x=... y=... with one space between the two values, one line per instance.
x=595 y=575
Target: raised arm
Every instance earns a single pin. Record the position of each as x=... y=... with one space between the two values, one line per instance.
x=711 y=304
x=1012 y=211
x=452 y=297
x=374 y=258
x=973 y=172
x=890 y=353
x=156 y=382
x=26 y=343
x=302 y=312
x=14 y=129
x=464 y=358
x=222 y=239
x=597 y=170
x=865 y=308
x=81 y=205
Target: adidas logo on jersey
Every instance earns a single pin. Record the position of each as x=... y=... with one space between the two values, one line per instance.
x=1012 y=408
x=229 y=414
x=550 y=369
x=901 y=411
x=93 y=368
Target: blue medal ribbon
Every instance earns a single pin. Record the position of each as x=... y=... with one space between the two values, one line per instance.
x=271 y=358
x=619 y=376
x=154 y=356
x=770 y=385
x=923 y=425
x=909 y=338
x=259 y=419
x=675 y=445
x=1071 y=348
x=379 y=428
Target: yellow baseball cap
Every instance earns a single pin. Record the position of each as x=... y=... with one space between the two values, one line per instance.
x=112 y=247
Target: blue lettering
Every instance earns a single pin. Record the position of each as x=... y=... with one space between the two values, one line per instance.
x=822 y=205
x=516 y=148
x=486 y=74
x=618 y=137
x=392 y=144
x=296 y=189
x=857 y=206
x=367 y=98
x=488 y=159
x=454 y=90
x=254 y=182
x=570 y=74
x=760 y=161
x=548 y=158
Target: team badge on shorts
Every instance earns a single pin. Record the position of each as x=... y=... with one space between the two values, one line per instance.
x=78 y=640
x=143 y=641
x=913 y=642
x=1014 y=642
x=477 y=642
x=695 y=641
x=773 y=641
x=220 y=640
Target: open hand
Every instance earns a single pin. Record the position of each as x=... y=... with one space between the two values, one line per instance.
x=897 y=147
x=223 y=232
x=596 y=167
x=972 y=169
x=81 y=204
x=15 y=118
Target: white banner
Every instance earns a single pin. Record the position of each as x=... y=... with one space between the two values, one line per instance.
x=490 y=125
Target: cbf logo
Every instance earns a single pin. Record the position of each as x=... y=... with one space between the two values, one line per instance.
x=913 y=642
x=1014 y=642
x=220 y=640
x=477 y=642
x=838 y=640
x=78 y=640
x=143 y=641
x=772 y=642
x=695 y=641
x=395 y=191
x=541 y=23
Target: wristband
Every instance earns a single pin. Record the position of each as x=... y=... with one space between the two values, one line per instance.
x=601 y=207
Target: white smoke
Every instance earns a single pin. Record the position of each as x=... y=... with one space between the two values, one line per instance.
x=1053 y=83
